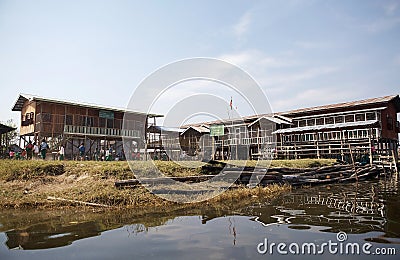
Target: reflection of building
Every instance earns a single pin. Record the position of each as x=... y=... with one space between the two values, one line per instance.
x=336 y=209
x=72 y=123
x=42 y=236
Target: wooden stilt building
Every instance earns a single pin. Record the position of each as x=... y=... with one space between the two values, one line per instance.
x=72 y=123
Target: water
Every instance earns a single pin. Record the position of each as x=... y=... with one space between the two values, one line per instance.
x=367 y=212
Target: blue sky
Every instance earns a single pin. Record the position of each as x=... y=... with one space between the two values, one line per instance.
x=302 y=53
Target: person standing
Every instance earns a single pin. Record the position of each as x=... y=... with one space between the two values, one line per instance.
x=11 y=154
x=43 y=149
x=29 y=150
x=96 y=154
x=82 y=151
x=110 y=154
x=61 y=152
x=36 y=150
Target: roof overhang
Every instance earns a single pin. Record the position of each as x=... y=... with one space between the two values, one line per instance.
x=28 y=97
x=6 y=129
x=160 y=129
x=199 y=129
x=272 y=119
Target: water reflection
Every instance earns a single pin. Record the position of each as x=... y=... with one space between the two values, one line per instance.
x=352 y=208
x=45 y=235
x=368 y=208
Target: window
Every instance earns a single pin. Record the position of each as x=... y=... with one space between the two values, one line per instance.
x=68 y=119
x=110 y=123
x=310 y=122
x=89 y=121
x=302 y=123
x=102 y=122
x=46 y=118
x=370 y=116
x=118 y=123
x=329 y=120
x=339 y=119
x=349 y=118
x=360 y=117
x=319 y=121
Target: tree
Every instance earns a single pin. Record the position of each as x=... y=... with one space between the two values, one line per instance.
x=12 y=136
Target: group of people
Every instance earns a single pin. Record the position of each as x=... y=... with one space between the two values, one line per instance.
x=106 y=155
x=31 y=151
x=35 y=151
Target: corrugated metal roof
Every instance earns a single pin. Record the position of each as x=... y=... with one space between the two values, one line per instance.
x=279 y=119
x=158 y=129
x=272 y=119
x=22 y=98
x=326 y=127
x=200 y=129
x=370 y=101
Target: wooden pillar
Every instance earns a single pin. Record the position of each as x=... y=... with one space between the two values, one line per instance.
x=258 y=142
x=213 y=148
x=370 y=147
x=318 y=153
x=341 y=145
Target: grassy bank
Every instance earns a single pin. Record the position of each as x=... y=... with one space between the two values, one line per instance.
x=30 y=183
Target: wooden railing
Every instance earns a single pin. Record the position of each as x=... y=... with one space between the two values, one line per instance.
x=101 y=131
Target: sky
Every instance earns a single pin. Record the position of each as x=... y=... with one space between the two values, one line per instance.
x=301 y=53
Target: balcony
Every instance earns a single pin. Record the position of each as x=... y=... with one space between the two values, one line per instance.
x=100 y=131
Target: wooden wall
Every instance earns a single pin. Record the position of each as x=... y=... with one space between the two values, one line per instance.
x=389 y=117
x=28 y=108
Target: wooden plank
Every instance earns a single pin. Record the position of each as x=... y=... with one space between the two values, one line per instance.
x=78 y=202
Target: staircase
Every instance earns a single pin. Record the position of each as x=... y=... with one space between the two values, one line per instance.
x=386 y=161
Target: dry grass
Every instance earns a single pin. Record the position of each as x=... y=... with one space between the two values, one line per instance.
x=27 y=184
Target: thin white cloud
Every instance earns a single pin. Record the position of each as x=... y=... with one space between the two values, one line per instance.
x=286 y=80
x=252 y=59
x=277 y=71
x=390 y=8
x=240 y=28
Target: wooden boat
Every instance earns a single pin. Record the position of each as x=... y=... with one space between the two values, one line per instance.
x=255 y=175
